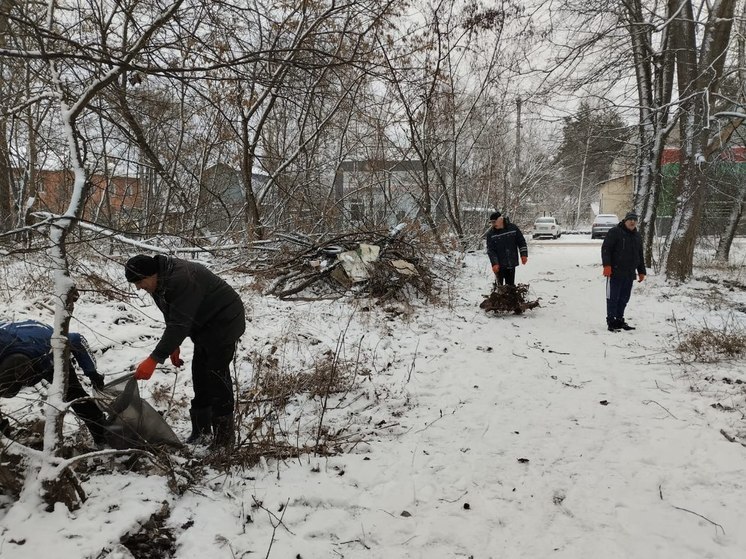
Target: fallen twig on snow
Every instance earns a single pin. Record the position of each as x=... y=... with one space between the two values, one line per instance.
x=702 y=517
x=646 y=402
x=731 y=438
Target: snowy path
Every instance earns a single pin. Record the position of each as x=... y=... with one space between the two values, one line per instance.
x=600 y=481
x=493 y=441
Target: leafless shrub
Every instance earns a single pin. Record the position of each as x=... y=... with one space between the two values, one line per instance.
x=101 y=286
x=26 y=276
x=712 y=344
x=271 y=422
x=280 y=386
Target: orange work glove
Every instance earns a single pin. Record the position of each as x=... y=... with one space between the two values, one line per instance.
x=145 y=369
x=524 y=259
x=607 y=271
x=495 y=268
x=175 y=359
x=640 y=277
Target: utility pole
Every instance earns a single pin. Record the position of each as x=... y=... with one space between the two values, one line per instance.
x=517 y=163
x=582 y=175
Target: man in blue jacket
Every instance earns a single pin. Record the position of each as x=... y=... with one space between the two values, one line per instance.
x=197 y=304
x=505 y=243
x=26 y=358
x=622 y=257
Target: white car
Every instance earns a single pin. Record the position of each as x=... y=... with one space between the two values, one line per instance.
x=547 y=227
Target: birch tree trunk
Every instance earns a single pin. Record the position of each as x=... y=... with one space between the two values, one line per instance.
x=654 y=71
x=698 y=78
x=46 y=471
x=722 y=253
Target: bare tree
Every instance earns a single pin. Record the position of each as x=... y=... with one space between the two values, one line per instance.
x=736 y=211
x=284 y=75
x=450 y=87
x=70 y=74
x=700 y=59
x=7 y=211
x=653 y=59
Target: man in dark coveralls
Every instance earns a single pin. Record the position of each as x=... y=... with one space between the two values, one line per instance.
x=197 y=304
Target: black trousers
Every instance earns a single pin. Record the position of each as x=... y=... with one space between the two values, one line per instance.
x=618 y=292
x=506 y=276
x=213 y=386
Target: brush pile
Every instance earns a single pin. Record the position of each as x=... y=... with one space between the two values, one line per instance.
x=371 y=263
x=509 y=298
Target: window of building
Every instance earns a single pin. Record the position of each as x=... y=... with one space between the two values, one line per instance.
x=357 y=209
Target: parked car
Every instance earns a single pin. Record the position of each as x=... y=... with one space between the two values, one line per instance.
x=547 y=226
x=601 y=225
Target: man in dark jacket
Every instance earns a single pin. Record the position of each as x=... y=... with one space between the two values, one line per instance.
x=198 y=304
x=26 y=358
x=505 y=243
x=621 y=255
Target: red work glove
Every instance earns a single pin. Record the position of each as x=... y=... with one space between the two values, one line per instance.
x=175 y=359
x=145 y=369
x=640 y=277
x=607 y=271
x=524 y=260
x=495 y=268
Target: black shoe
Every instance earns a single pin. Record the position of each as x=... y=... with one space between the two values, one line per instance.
x=613 y=324
x=624 y=326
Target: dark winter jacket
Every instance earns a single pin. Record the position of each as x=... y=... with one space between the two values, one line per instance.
x=34 y=340
x=195 y=303
x=622 y=250
x=505 y=245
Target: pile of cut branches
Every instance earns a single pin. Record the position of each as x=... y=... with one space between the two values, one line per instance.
x=509 y=298
x=383 y=265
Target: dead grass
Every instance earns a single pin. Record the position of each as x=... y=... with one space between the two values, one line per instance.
x=282 y=414
x=713 y=344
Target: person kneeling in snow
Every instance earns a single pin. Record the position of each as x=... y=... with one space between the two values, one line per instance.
x=195 y=303
x=26 y=358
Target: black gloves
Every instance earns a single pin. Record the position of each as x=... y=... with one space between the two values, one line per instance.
x=97 y=381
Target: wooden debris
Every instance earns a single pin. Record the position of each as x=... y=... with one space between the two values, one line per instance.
x=509 y=298
x=370 y=263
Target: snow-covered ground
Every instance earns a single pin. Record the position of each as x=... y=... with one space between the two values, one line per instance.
x=541 y=435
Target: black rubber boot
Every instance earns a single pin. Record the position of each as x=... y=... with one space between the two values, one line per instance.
x=201 y=424
x=623 y=325
x=222 y=427
x=613 y=324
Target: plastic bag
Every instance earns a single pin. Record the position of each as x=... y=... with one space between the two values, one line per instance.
x=132 y=422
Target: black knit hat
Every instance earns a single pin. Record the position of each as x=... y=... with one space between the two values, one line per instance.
x=631 y=216
x=494 y=216
x=139 y=267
